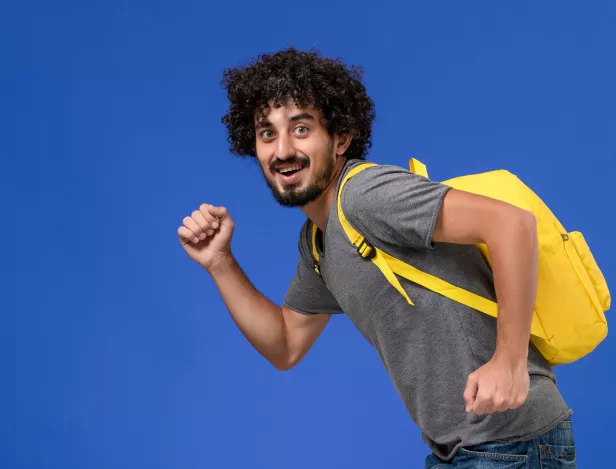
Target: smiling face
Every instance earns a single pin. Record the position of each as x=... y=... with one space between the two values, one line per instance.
x=297 y=156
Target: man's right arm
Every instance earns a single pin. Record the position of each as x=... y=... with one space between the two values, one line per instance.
x=281 y=335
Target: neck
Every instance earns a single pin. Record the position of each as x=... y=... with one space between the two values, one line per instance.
x=318 y=210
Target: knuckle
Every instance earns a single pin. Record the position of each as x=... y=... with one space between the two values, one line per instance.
x=186 y=220
x=196 y=213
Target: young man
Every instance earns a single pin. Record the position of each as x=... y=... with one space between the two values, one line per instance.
x=474 y=385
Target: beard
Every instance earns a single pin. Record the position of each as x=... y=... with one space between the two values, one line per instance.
x=291 y=195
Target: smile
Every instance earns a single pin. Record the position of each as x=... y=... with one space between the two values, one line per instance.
x=291 y=173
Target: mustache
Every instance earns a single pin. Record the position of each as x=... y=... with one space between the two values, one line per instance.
x=291 y=160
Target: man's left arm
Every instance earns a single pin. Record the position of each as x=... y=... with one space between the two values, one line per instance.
x=510 y=234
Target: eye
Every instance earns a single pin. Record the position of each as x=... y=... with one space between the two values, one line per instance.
x=301 y=130
x=267 y=134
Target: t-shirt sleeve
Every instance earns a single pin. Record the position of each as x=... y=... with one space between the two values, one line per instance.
x=393 y=205
x=307 y=292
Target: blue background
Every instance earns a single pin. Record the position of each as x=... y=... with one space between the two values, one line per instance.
x=116 y=350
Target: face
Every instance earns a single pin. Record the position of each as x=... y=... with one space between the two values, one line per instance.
x=297 y=156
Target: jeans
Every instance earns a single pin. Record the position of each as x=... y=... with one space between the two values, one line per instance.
x=552 y=450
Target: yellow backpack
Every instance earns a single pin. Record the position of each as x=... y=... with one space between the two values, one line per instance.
x=569 y=320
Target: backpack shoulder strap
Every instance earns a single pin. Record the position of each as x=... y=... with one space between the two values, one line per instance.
x=315 y=252
x=364 y=248
x=418 y=167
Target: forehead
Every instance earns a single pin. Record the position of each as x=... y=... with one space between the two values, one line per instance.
x=278 y=114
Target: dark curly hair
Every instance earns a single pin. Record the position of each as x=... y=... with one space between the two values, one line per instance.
x=308 y=79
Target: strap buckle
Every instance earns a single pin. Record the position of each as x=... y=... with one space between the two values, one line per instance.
x=366 y=250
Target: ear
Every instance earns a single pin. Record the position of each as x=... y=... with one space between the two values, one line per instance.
x=342 y=143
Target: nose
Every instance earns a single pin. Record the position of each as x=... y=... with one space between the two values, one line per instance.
x=284 y=147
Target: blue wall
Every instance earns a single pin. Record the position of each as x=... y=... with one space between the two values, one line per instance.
x=116 y=350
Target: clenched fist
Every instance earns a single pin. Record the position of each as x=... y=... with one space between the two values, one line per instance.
x=206 y=235
x=496 y=387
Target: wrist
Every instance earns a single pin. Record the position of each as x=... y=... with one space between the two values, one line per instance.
x=220 y=264
x=512 y=361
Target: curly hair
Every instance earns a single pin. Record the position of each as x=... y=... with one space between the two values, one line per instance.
x=308 y=79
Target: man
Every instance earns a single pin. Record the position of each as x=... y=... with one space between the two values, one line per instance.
x=473 y=384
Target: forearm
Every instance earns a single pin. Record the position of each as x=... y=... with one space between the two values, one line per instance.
x=514 y=255
x=260 y=320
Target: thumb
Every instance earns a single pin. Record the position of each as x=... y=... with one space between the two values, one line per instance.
x=470 y=393
x=219 y=212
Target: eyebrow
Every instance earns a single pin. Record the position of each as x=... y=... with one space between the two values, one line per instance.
x=303 y=116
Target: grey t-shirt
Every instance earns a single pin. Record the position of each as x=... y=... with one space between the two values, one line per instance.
x=428 y=349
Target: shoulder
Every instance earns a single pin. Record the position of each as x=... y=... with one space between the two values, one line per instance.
x=393 y=204
x=381 y=184
x=382 y=172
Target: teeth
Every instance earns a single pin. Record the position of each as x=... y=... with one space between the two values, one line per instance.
x=292 y=168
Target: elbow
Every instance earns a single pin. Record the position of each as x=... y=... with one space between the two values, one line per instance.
x=513 y=225
x=284 y=364
x=528 y=222
x=523 y=230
